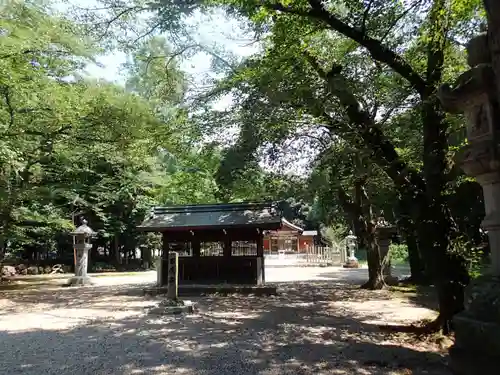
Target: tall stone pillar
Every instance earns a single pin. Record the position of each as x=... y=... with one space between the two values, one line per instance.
x=173 y=276
x=383 y=234
x=159 y=272
x=477 y=328
x=82 y=246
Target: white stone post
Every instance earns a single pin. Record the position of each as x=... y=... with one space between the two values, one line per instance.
x=173 y=276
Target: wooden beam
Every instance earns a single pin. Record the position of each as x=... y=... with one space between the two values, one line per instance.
x=165 y=240
x=214 y=235
x=228 y=245
x=196 y=246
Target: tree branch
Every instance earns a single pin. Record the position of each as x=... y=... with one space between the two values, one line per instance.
x=383 y=152
x=377 y=50
x=10 y=108
x=119 y=15
x=35 y=51
x=365 y=17
x=148 y=33
x=39 y=133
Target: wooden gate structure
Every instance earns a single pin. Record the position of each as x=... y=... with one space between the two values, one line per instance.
x=217 y=243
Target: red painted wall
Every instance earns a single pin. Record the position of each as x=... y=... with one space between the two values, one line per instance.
x=267 y=244
x=305 y=241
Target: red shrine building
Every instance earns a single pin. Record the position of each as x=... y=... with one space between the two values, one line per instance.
x=288 y=238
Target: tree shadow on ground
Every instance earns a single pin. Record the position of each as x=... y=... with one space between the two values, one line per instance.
x=422 y=296
x=70 y=297
x=304 y=330
x=425 y=295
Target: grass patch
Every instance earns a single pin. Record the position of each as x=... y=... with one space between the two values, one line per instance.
x=423 y=296
x=404 y=288
x=117 y=273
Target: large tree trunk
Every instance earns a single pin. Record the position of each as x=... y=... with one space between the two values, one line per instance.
x=436 y=222
x=114 y=250
x=417 y=269
x=492 y=8
x=432 y=219
x=116 y=244
x=147 y=257
x=375 y=268
x=407 y=228
x=375 y=262
x=360 y=213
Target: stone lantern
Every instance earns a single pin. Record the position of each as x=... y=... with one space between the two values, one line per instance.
x=351 y=241
x=475 y=94
x=383 y=234
x=82 y=244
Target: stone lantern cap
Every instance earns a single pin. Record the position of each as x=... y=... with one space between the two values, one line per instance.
x=351 y=236
x=383 y=223
x=83 y=230
x=383 y=228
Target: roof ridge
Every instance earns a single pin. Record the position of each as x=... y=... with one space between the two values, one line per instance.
x=213 y=207
x=291 y=225
x=184 y=217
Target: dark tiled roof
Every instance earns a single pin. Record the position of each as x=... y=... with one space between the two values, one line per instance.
x=213 y=216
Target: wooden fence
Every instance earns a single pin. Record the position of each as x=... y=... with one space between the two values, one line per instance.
x=334 y=255
x=322 y=255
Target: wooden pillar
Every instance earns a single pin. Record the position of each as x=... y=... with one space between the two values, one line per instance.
x=227 y=245
x=162 y=267
x=261 y=275
x=196 y=246
x=164 y=253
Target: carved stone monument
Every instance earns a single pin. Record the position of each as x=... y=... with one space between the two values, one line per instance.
x=173 y=276
x=475 y=93
x=81 y=244
x=352 y=261
x=383 y=233
x=172 y=304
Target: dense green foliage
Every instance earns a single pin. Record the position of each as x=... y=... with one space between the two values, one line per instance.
x=360 y=78
x=71 y=146
x=336 y=116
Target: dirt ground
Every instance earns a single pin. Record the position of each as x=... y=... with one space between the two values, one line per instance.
x=322 y=326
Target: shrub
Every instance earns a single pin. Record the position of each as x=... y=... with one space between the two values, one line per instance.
x=102 y=267
x=398 y=253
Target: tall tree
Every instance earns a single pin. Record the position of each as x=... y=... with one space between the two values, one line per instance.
x=69 y=145
x=421 y=66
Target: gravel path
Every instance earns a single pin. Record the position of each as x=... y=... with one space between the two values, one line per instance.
x=326 y=326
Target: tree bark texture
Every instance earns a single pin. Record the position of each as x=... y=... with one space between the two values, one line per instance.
x=360 y=213
x=427 y=190
x=436 y=221
x=406 y=226
x=492 y=8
